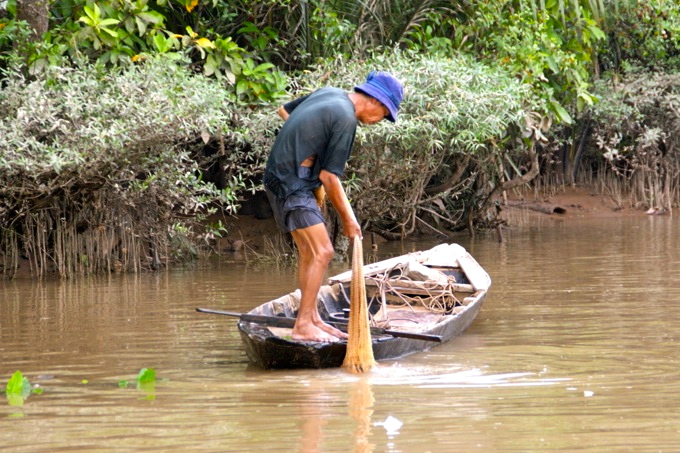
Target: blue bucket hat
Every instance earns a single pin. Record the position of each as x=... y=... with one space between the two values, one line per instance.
x=386 y=88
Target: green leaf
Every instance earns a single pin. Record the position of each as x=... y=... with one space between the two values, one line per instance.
x=18 y=389
x=146 y=380
x=106 y=22
x=146 y=375
x=209 y=66
x=561 y=113
x=241 y=86
x=160 y=43
x=110 y=32
x=597 y=33
x=129 y=25
x=141 y=26
x=263 y=67
x=256 y=88
x=151 y=17
x=18 y=385
x=86 y=20
x=15 y=400
x=552 y=64
x=92 y=14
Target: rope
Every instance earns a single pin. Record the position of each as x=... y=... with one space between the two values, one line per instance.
x=437 y=298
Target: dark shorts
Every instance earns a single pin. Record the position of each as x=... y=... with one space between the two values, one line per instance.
x=295 y=212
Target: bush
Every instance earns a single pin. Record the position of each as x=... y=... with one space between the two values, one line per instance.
x=637 y=129
x=101 y=172
x=98 y=171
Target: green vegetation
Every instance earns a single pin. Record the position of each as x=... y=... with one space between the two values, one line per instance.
x=98 y=167
x=125 y=123
x=145 y=382
x=18 y=389
x=636 y=129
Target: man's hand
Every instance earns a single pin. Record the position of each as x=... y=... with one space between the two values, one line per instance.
x=338 y=198
x=320 y=195
x=283 y=113
x=352 y=229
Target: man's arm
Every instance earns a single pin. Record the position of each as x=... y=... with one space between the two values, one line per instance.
x=286 y=109
x=338 y=198
x=283 y=113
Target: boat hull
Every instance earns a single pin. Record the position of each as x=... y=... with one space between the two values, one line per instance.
x=464 y=281
x=270 y=351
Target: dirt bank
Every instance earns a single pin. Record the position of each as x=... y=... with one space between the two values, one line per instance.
x=520 y=208
x=562 y=204
x=568 y=203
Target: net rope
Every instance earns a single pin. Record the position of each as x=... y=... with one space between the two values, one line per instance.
x=438 y=298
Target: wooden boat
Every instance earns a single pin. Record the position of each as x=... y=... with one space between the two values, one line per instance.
x=414 y=298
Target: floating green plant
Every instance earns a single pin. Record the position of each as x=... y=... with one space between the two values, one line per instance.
x=145 y=381
x=18 y=389
x=146 y=376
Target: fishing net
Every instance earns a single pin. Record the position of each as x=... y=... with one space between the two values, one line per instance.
x=359 y=356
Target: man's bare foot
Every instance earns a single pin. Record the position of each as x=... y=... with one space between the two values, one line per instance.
x=310 y=332
x=331 y=330
x=317 y=330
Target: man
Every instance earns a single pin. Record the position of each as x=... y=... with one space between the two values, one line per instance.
x=309 y=154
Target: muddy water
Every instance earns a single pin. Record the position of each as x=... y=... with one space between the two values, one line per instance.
x=576 y=348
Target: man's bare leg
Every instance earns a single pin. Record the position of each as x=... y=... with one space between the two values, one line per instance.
x=315 y=251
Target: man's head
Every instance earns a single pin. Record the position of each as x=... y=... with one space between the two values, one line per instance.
x=385 y=88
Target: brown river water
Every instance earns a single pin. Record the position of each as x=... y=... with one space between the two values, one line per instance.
x=576 y=349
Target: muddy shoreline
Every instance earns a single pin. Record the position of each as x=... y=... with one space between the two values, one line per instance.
x=564 y=204
x=247 y=232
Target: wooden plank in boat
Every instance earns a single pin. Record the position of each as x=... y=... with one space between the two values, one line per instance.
x=445 y=255
x=281 y=332
x=381 y=266
x=405 y=286
x=414 y=319
x=474 y=272
x=470 y=299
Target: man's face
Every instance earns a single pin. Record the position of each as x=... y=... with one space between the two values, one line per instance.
x=375 y=112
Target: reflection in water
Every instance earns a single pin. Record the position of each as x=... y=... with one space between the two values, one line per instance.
x=576 y=348
x=360 y=409
x=314 y=420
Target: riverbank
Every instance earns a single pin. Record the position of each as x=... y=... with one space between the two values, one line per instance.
x=248 y=233
x=566 y=203
x=521 y=208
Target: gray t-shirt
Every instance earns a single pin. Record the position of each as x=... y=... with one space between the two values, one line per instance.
x=322 y=124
